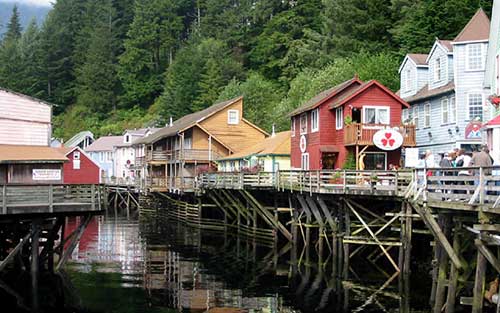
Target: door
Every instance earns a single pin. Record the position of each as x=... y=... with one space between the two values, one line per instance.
x=375 y=161
x=356 y=115
x=328 y=161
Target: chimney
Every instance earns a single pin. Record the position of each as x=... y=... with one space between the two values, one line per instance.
x=273 y=134
x=171 y=122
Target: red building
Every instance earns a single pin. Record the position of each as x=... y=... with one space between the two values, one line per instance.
x=80 y=169
x=343 y=120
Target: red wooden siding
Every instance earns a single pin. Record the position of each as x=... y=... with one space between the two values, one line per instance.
x=87 y=174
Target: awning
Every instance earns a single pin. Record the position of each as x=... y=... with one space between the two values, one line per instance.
x=329 y=149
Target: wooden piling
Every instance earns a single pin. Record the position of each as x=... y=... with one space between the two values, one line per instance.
x=35 y=226
x=445 y=223
x=453 y=279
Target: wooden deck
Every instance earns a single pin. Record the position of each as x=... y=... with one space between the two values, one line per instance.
x=48 y=199
x=362 y=134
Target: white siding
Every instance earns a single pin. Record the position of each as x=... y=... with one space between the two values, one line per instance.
x=439 y=54
x=408 y=69
x=422 y=77
x=24 y=121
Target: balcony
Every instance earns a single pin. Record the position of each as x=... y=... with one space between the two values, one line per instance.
x=362 y=134
x=182 y=155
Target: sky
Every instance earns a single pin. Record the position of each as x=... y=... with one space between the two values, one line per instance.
x=31 y=2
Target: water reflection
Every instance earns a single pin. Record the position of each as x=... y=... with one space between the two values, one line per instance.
x=162 y=266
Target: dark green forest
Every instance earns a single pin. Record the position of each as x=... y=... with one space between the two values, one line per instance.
x=114 y=64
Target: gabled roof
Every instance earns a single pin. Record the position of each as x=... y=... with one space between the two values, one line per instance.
x=277 y=145
x=27 y=97
x=76 y=139
x=186 y=122
x=68 y=150
x=477 y=29
x=446 y=45
x=141 y=131
x=323 y=96
x=425 y=93
x=30 y=154
x=494 y=123
x=345 y=98
x=106 y=143
x=420 y=60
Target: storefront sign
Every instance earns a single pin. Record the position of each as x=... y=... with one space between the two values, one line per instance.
x=303 y=144
x=473 y=130
x=388 y=139
x=411 y=157
x=45 y=174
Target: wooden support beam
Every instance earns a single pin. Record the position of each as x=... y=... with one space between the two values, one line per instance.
x=15 y=251
x=35 y=229
x=453 y=279
x=438 y=234
x=478 y=295
x=442 y=264
x=487 y=254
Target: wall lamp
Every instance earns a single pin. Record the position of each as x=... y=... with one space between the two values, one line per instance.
x=450 y=131
x=430 y=135
x=457 y=130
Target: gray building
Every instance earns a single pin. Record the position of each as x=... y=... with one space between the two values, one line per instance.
x=448 y=102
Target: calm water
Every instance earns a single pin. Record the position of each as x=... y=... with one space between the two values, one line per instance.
x=160 y=266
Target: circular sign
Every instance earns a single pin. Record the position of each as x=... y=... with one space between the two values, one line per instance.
x=388 y=139
x=303 y=144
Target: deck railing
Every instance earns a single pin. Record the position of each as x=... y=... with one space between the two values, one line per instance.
x=362 y=134
x=237 y=180
x=182 y=155
x=29 y=199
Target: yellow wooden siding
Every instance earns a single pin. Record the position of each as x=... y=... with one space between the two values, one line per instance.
x=237 y=137
x=200 y=141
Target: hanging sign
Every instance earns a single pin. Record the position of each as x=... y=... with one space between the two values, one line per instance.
x=45 y=174
x=388 y=139
x=303 y=144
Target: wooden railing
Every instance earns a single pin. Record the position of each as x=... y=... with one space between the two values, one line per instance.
x=183 y=155
x=28 y=199
x=362 y=134
x=237 y=180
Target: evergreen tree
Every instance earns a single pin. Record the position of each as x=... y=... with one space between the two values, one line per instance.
x=30 y=58
x=14 y=29
x=9 y=54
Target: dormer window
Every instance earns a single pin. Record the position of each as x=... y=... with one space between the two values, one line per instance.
x=475 y=57
x=438 y=71
x=408 y=80
x=127 y=138
x=233 y=117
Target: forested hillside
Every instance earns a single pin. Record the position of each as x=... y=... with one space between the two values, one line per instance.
x=112 y=64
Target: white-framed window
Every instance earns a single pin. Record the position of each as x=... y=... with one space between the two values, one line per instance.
x=314 y=120
x=303 y=123
x=376 y=115
x=445 y=114
x=339 y=118
x=438 y=71
x=475 y=106
x=408 y=84
x=416 y=111
x=475 y=57
x=405 y=116
x=233 y=117
x=76 y=155
x=453 y=110
x=304 y=164
x=293 y=127
x=101 y=156
x=427 y=115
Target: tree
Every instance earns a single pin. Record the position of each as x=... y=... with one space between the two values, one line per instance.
x=30 y=58
x=14 y=29
x=9 y=54
x=261 y=98
x=149 y=48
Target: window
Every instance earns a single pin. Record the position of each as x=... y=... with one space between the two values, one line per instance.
x=233 y=117
x=101 y=156
x=375 y=161
x=305 y=161
x=453 y=110
x=339 y=118
x=427 y=115
x=438 y=71
x=293 y=127
x=303 y=124
x=127 y=138
x=76 y=155
x=408 y=80
x=376 y=115
x=475 y=57
x=475 y=103
x=416 y=111
x=314 y=120
x=405 y=117
x=444 y=111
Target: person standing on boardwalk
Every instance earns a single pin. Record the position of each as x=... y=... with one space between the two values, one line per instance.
x=482 y=159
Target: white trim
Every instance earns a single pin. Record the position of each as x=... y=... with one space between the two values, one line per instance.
x=306 y=154
x=85 y=154
x=339 y=123
x=470 y=41
x=427 y=105
x=481 y=53
x=300 y=123
x=447 y=106
x=229 y=112
x=455 y=112
x=467 y=95
x=313 y=128
x=376 y=107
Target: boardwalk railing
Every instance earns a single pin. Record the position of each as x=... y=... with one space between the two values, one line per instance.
x=182 y=155
x=28 y=199
x=474 y=186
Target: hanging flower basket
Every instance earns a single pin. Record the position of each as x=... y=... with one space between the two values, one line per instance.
x=495 y=100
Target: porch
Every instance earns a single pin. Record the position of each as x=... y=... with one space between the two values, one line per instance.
x=182 y=155
x=362 y=134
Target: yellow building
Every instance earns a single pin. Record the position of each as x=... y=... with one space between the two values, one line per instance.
x=268 y=155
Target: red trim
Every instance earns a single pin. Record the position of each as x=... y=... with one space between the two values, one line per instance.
x=368 y=85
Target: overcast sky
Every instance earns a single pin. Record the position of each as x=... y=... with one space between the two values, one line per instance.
x=32 y=2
